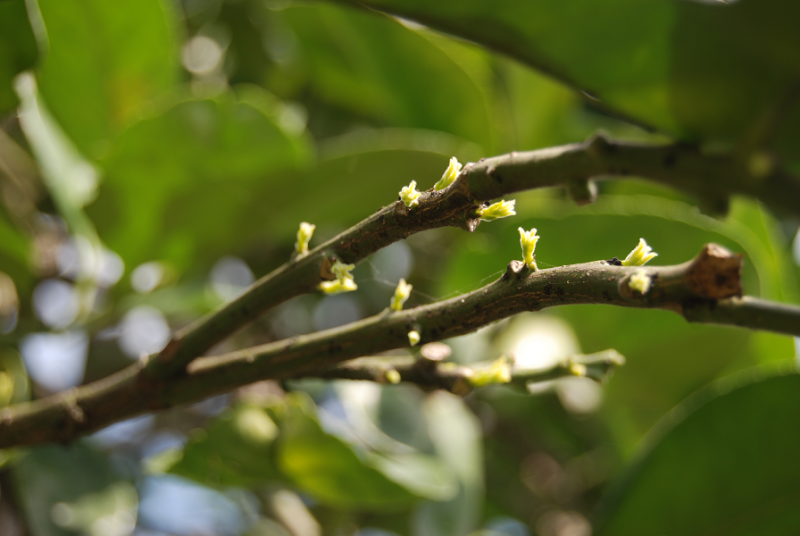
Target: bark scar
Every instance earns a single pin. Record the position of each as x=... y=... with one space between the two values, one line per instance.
x=716 y=273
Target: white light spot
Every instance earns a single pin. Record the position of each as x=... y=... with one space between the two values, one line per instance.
x=201 y=55
x=143 y=331
x=293 y=118
x=146 y=277
x=56 y=361
x=563 y=523
x=230 y=276
x=335 y=311
x=176 y=505
x=291 y=319
x=539 y=341
x=56 y=303
x=579 y=395
x=392 y=263
x=110 y=268
x=129 y=431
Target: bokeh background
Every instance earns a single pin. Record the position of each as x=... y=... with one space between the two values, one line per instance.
x=157 y=156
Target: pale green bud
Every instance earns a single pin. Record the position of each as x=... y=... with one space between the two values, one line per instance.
x=640 y=255
x=342 y=270
x=343 y=282
x=303 y=238
x=640 y=281
x=501 y=209
x=401 y=294
x=528 y=239
x=577 y=369
x=393 y=377
x=498 y=371
x=410 y=195
x=449 y=176
x=413 y=337
x=337 y=286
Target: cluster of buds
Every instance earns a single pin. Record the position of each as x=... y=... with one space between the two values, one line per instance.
x=410 y=195
x=344 y=279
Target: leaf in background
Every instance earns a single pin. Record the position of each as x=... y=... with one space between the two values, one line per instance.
x=707 y=70
x=106 y=62
x=236 y=449
x=376 y=67
x=456 y=437
x=723 y=462
x=18 y=50
x=329 y=470
x=195 y=183
x=78 y=480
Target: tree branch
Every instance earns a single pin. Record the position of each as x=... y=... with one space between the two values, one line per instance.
x=461 y=379
x=706 y=289
x=711 y=178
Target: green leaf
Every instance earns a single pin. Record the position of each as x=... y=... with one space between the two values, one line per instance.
x=329 y=470
x=187 y=186
x=106 y=62
x=18 y=49
x=50 y=475
x=707 y=70
x=236 y=449
x=376 y=67
x=723 y=462
x=456 y=436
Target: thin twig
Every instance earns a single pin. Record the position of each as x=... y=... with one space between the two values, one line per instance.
x=461 y=379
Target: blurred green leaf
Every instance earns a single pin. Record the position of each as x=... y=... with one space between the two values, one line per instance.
x=695 y=69
x=194 y=183
x=723 y=462
x=456 y=436
x=18 y=388
x=106 y=62
x=376 y=67
x=18 y=49
x=329 y=470
x=15 y=249
x=236 y=449
x=52 y=475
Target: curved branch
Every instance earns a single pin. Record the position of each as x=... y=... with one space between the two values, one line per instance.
x=706 y=289
x=711 y=178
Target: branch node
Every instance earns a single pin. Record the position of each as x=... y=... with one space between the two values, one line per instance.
x=599 y=145
x=715 y=273
x=172 y=348
x=400 y=208
x=514 y=268
x=325 y=269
